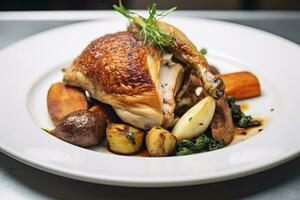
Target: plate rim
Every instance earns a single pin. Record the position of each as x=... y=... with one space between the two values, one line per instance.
x=131 y=183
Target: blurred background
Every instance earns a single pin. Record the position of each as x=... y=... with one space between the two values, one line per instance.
x=14 y=5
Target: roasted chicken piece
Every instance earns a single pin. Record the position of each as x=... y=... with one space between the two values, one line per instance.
x=137 y=80
x=190 y=93
x=185 y=51
x=171 y=77
x=117 y=69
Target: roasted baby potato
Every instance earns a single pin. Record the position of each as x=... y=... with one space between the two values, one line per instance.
x=160 y=142
x=62 y=100
x=124 y=139
x=82 y=128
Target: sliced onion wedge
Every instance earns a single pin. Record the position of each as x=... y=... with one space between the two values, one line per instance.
x=196 y=120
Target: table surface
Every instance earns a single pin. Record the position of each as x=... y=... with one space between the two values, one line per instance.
x=19 y=181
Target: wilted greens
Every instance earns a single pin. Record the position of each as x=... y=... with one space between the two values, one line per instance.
x=199 y=144
x=239 y=118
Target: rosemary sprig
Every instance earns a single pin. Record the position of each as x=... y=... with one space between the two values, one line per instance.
x=149 y=30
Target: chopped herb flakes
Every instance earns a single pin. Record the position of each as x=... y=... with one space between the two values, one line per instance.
x=130 y=136
x=203 y=51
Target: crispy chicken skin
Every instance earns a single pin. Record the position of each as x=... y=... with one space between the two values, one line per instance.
x=119 y=70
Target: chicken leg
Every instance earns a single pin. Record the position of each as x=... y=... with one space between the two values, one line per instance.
x=184 y=50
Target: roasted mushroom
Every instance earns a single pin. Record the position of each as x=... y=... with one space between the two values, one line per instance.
x=82 y=128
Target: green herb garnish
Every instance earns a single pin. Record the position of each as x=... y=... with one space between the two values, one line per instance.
x=203 y=51
x=239 y=118
x=149 y=30
x=130 y=136
x=197 y=145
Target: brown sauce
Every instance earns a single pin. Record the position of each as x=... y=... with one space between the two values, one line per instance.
x=245 y=131
x=244 y=107
x=142 y=153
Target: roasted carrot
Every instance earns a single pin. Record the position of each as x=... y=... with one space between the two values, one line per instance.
x=62 y=100
x=241 y=85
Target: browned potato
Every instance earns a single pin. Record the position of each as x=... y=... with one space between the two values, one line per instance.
x=160 y=142
x=62 y=100
x=124 y=139
x=100 y=110
x=82 y=128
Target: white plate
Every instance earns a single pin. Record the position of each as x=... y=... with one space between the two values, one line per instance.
x=31 y=65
